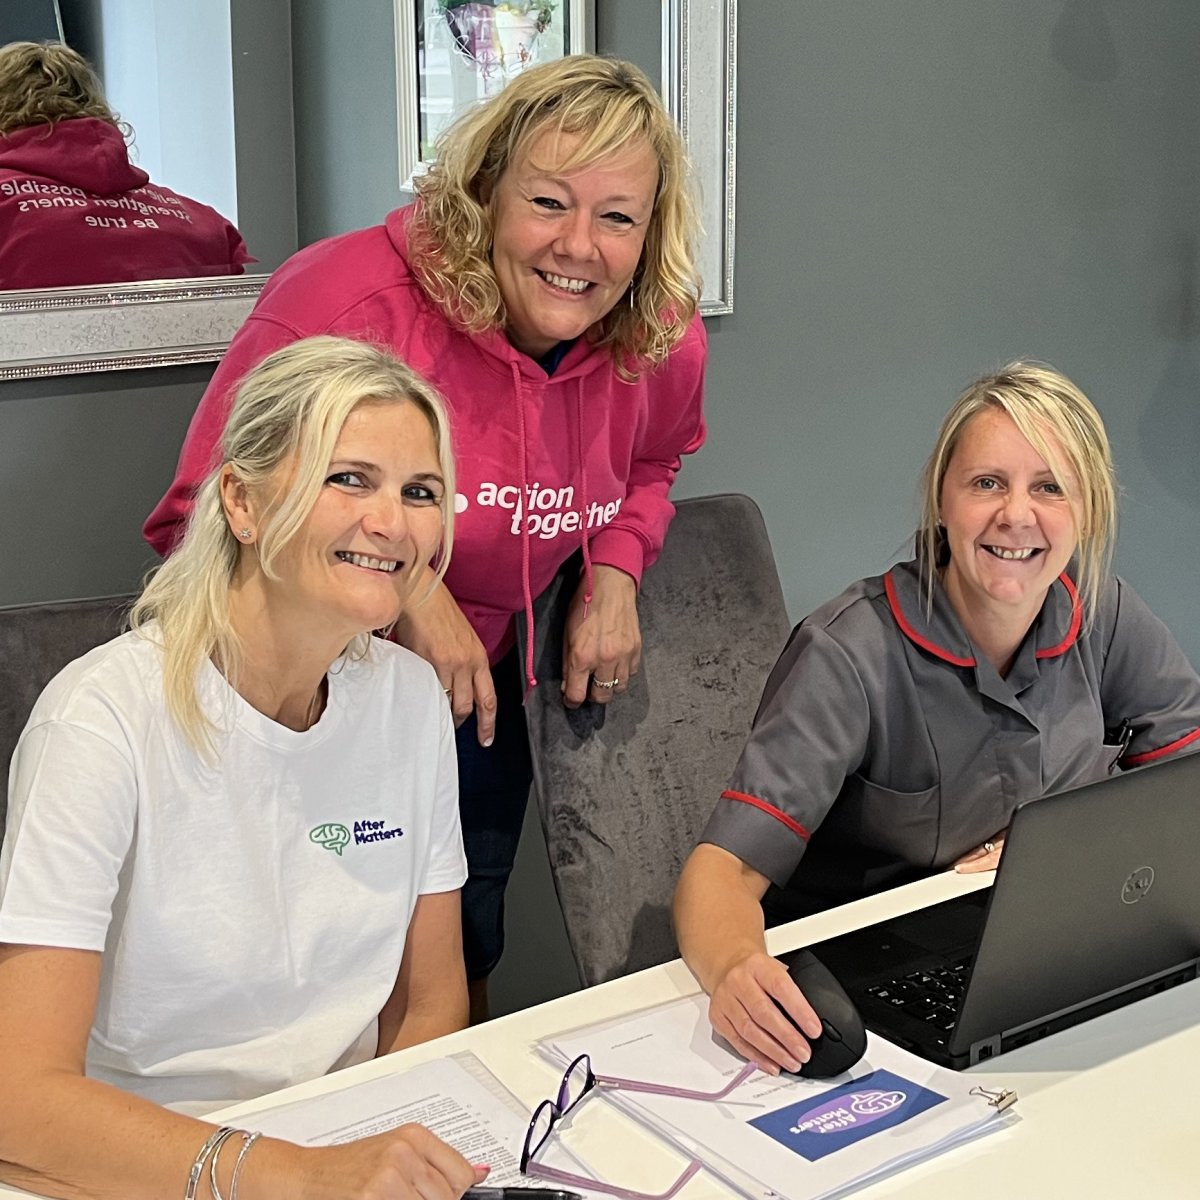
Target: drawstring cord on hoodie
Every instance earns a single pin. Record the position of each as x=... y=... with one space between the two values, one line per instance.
x=583 y=496
x=526 y=590
x=526 y=587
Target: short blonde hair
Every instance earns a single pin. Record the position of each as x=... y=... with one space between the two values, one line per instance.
x=291 y=407
x=1063 y=426
x=47 y=82
x=610 y=104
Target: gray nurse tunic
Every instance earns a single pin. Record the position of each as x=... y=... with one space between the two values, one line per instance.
x=885 y=746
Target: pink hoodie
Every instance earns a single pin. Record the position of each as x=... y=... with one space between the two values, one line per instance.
x=74 y=210
x=594 y=455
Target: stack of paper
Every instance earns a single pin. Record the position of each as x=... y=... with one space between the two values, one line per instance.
x=458 y=1098
x=782 y=1136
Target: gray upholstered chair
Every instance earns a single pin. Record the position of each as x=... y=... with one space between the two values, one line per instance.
x=36 y=642
x=624 y=791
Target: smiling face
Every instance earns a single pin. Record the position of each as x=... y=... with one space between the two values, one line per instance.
x=566 y=244
x=1008 y=523
x=374 y=527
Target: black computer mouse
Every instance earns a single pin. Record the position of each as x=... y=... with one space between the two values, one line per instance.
x=844 y=1041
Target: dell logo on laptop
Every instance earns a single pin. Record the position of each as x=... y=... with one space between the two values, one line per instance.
x=1137 y=885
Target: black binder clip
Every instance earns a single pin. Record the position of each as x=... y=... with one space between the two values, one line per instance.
x=1004 y=1098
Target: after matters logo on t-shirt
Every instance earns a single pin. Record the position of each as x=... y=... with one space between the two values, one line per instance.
x=847 y=1114
x=336 y=837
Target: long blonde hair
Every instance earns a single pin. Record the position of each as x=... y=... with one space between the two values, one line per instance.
x=1063 y=426
x=290 y=408
x=610 y=104
x=47 y=82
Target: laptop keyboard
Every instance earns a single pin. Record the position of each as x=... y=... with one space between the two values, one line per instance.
x=931 y=995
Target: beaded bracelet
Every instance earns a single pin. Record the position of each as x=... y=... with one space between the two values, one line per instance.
x=248 y=1140
x=215 y=1141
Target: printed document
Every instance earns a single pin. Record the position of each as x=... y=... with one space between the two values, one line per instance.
x=457 y=1098
x=782 y=1137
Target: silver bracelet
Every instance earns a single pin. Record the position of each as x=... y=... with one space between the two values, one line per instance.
x=248 y=1140
x=215 y=1140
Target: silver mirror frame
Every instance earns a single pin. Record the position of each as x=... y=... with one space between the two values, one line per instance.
x=698 y=37
x=115 y=327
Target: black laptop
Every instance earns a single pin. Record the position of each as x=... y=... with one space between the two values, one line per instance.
x=1096 y=904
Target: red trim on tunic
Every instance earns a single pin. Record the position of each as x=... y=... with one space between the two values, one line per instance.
x=1136 y=760
x=1076 y=621
x=912 y=635
x=769 y=809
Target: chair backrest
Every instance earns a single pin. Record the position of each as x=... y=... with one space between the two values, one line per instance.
x=36 y=642
x=625 y=790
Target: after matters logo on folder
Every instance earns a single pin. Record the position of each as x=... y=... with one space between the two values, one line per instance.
x=838 y=1118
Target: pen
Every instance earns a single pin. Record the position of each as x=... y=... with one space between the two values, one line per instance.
x=519 y=1193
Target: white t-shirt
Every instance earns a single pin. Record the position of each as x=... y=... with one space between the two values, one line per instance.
x=252 y=913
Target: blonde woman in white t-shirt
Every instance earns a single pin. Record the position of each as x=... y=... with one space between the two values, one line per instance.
x=233 y=856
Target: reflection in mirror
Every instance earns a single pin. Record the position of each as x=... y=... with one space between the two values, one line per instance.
x=73 y=208
x=167 y=60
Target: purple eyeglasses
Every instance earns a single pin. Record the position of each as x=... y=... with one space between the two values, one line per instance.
x=577 y=1081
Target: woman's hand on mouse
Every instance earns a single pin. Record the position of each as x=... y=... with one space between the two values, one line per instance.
x=747 y=1009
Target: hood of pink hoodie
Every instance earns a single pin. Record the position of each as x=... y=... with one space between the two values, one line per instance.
x=86 y=153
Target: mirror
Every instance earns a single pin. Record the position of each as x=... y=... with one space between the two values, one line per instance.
x=239 y=108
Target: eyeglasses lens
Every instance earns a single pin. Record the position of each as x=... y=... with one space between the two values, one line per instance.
x=540 y=1126
x=576 y=1084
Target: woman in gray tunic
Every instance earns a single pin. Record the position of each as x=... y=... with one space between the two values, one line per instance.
x=907 y=718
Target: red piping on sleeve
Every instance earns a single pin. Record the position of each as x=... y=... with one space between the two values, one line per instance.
x=770 y=810
x=1076 y=621
x=1136 y=760
x=912 y=635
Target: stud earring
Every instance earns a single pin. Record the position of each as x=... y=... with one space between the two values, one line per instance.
x=245 y=534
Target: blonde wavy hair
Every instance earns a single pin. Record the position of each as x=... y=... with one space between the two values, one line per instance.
x=288 y=411
x=608 y=104
x=47 y=82
x=1063 y=426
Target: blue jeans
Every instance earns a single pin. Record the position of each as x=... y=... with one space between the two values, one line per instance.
x=493 y=787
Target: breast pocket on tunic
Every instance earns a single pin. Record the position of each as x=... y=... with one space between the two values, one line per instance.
x=903 y=824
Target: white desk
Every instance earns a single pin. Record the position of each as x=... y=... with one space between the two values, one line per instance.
x=1108 y=1108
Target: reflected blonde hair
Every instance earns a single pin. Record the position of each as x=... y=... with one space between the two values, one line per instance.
x=609 y=105
x=47 y=82
x=288 y=412
x=1063 y=426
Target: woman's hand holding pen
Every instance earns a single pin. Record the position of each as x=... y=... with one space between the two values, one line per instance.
x=406 y=1163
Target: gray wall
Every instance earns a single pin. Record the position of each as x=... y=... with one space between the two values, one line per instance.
x=347 y=161
x=82 y=462
x=926 y=189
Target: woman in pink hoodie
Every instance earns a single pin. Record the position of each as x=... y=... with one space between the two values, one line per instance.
x=73 y=209
x=545 y=282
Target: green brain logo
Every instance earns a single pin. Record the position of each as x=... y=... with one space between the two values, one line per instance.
x=331 y=836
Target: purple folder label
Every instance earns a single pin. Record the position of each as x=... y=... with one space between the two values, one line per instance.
x=814 y=1128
